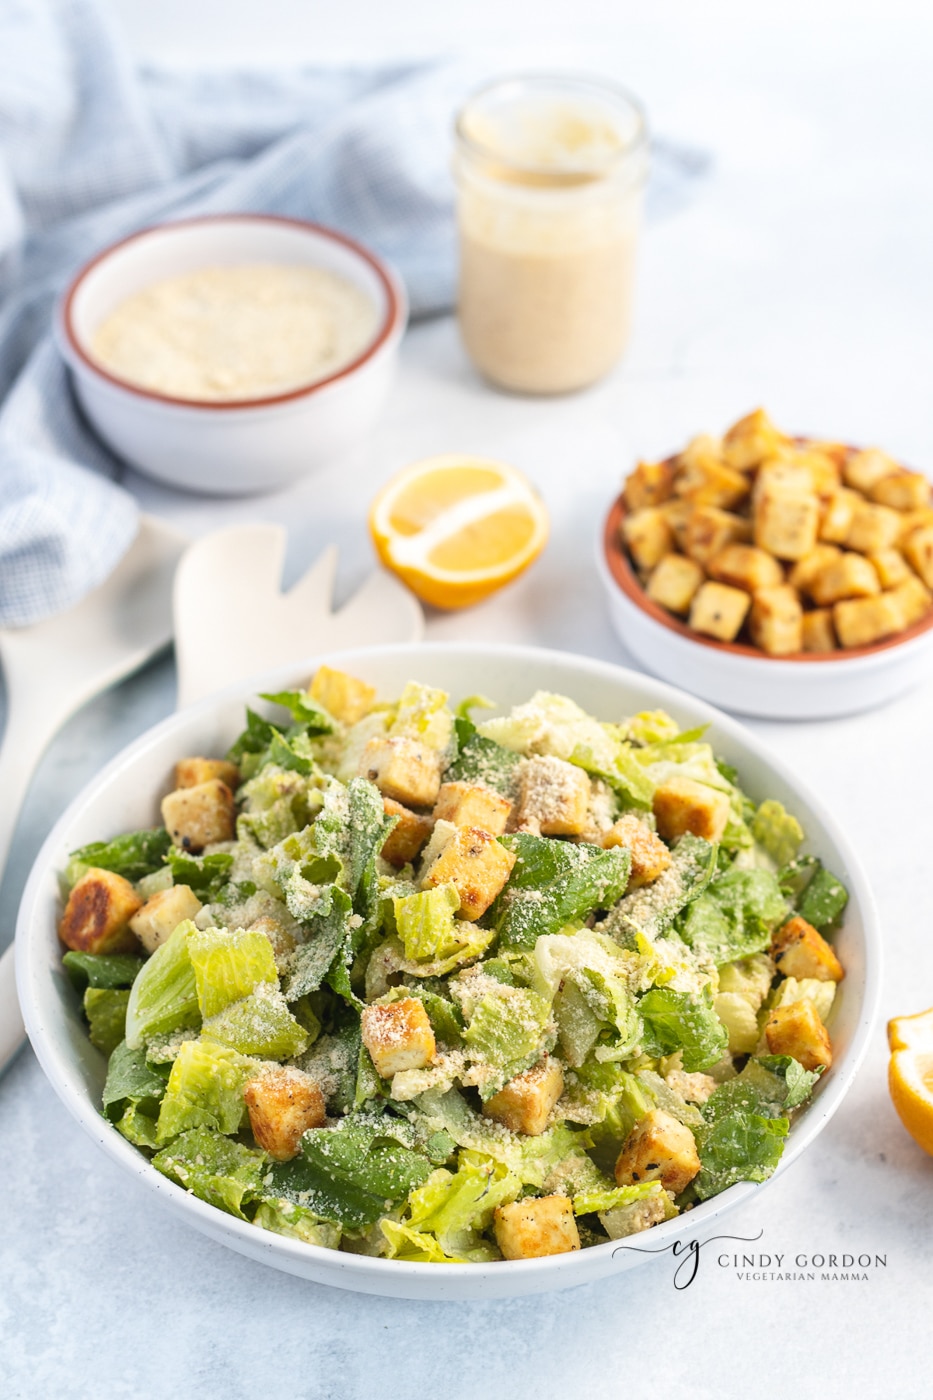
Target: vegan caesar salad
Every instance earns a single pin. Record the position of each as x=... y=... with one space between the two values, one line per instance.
x=401 y=980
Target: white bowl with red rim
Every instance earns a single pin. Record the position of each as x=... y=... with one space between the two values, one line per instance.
x=244 y=445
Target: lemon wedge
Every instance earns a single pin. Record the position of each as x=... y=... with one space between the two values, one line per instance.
x=910 y=1074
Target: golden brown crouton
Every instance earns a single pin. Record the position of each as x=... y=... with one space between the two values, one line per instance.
x=535 y=1227
x=752 y=439
x=863 y=470
x=776 y=620
x=818 y=631
x=744 y=566
x=161 y=914
x=647 y=536
x=650 y=856
x=408 y=835
x=472 y=804
x=902 y=491
x=873 y=527
x=658 y=1149
x=837 y=515
x=343 y=696
x=702 y=477
x=471 y=860
x=807 y=568
x=799 y=950
x=796 y=1030
x=786 y=522
x=918 y=550
x=197 y=816
x=710 y=529
x=718 y=611
x=191 y=772
x=911 y=520
x=97 y=915
x=913 y=599
x=403 y=769
x=398 y=1036
x=283 y=1103
x=648 y=485
x=682 y=804
x=677 y=512
x=674 y=582
x=554 y=797
x=861 y=621
x=891 y=567
x=524 y=1104
x=849 y=576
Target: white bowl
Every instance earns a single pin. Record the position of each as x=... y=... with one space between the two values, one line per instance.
x=238 y=447
x=810 y=685
x=123 y=797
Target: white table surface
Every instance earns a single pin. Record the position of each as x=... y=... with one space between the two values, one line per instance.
x=798 y=277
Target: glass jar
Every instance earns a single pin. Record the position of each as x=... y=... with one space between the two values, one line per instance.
x=550 y=174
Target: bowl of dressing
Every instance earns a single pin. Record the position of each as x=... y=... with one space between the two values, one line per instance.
x=235 y=353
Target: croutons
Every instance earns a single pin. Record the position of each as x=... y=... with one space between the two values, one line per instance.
x=719 y=610
x=703 y=478
x=648 y=537
x=554 y=797
x=677 y=512
x=863 y=470
x=650 y=856
x=471 y=860
x=398 y=1036
x=682 y=804
x=873 y=527
x=649 y=484
x=97 y=915
x=818 y=631
x=890 y=566
x=197 y=816
x=343 y=696
x=799 y=950
x=796 y=1030
x=751 y=440
x=837 y=516
x=472 y=804
x=658 y=1149
x=786 y=522
x=524 y=1104
x=191 y=772
x=403 y=769
x=913 y=599
x=161 y=914
x=407 y=836
x=710 y=529
x=776 y=620
x=744 y=566
x=918 y=550
x=806 y=569
x=849 y=576
x=536 y=1226
x=861 y=621
x=902 y=490
x=674 y=582
x=283 y=1103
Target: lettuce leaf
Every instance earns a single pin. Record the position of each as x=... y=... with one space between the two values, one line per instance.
x=204 y=1090
x=101 y=969
x=164 y=996
x=228 y=965
x=740 y=1146
x=813 y=891
x=481 y=760
x=285 y=1218
x=735 y=916
x=133 y=855
x=105 y=1009
x=205 y=875
x=253 y=741
x=328 y=937
x=650 y=912
x=676 y=1021
x=225 y=1174
x=552 y=883
x=260 y=1024
x=451 y=1210
x=130 y=1080
x=777 y=831
x=506 y=1032
x=312 y=717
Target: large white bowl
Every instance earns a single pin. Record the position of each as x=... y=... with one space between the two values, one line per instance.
x=124 y=796
x=239 y=447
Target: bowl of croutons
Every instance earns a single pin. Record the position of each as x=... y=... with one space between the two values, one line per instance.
x=787 y=577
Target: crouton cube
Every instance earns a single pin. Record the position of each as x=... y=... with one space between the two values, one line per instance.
x=524 y=1104
x=535 y=1227
x=398 y=1036
x=658 y=1149
x=677 y=512
x=744 y=566
x=472 y=804
x=192 y=772
x=818 y=631
x=796 y=1030
x=650 y=856
x=682 y=804
x=674 y=582
x=160 y=916
x=197 y=816
x=837 y=452
x=648 y=485
x=283 y=1103
x=823 y=470
x=782 y=474
x=912 y=520
x=407 y=836
x=776 y=620
x=342 y=696
x=799 y=950
x=703 y=478
x=849 y=576
x=891 y=567
x=863 y=470
x=97 y=915
x=554 y=797
x=861 y=621
x=749 y=441
x=719 y=611
x=403 y=769
x=648 y=537
x=471 y=860
x=872 y=528
x=710 y=529
x=902 y=491
x=786 y=522
x=806 y=569
x=918 y=550
x=913 y=599
x=837 y=515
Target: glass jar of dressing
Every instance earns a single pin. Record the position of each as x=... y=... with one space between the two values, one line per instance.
x=550 y=173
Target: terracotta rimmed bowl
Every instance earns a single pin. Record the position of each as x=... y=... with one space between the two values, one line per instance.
x=740 y=677
x=124 y=795
x=242 y=446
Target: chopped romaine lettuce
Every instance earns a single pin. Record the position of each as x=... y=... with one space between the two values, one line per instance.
x=506 y=1033
x=481 y=760
x=229 y=964
x=814 y=892
x=676 y=1021
x=735 y=916
x=164 y=997
x=777 y=830
x=651 y=911
x=260 y=1024
x=422 y=714
x=304 y=711
x=101 y=969
x=226 y=1174
x=285 y=1218
x=204 y=1090
x=204 y=875
x=105 y=1009
x=553 y=883
x=131 y=1081
x=134 y=855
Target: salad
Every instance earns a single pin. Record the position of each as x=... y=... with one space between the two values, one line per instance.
x=401 y=980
